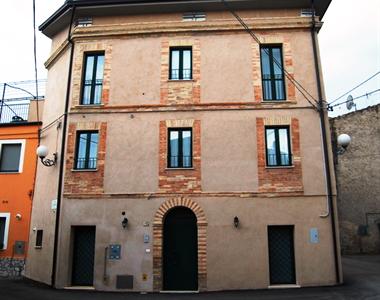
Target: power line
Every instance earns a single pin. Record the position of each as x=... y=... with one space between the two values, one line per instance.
x=361 y=96
x=297 y=85
x=374 y=75
x=35 y=56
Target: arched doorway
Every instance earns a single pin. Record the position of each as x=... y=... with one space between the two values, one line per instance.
x=180 y=250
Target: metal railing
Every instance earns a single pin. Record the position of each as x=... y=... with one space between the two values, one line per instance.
x=180 y=161
x=11 y=112
x=178 y=74
x=85 y=163
x=285 y=160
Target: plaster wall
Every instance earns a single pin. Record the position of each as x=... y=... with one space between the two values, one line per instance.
x=226 y=245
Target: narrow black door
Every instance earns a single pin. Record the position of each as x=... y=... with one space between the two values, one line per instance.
x=281 y=254
x=180 y=256
x=83 y=255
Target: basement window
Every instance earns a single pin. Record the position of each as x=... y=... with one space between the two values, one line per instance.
x=39 y=237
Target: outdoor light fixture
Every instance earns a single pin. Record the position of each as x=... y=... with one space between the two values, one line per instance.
x=124 y=223
x=236 y=222
x=42 y=152
x=343 y=142
x=18 y=217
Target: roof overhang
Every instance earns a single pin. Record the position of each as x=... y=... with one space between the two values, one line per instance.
x=84 y=8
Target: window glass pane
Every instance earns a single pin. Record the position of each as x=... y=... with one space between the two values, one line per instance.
x=81 y=154
x=93 y=151
x=186 y=148
x=100 y=67
x=39 y=238
x=271 y=147
x=265 y=64
x=86 y=94
x=175 y=64
x=2 y=231
x=186 y=64
x=174 y=149
x=284 y=147
x=10 y=157
x=277 y=62
x=89 y=67
x=98 y=94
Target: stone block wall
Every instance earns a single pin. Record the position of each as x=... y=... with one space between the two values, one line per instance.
x=11 y=267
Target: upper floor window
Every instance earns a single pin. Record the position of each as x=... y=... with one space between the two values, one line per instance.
x=277 y=141
x=181 y=63
x=272 y=73
x=180 y=148
x=92 y=79
x=11 y=156
x=87 y=150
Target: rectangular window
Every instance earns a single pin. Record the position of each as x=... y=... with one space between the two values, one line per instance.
x=10 y=154
x=86 y=150
x=180 y=148
x=92 y=79
x=272 y=73
x=277 y=141
x=181 y=63
x=39 y=237
x=4 y=227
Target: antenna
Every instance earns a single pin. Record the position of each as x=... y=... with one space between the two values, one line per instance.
x=350 y=102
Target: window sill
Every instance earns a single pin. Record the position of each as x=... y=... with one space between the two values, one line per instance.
x=176 y=169
x=279 y=167
x=89 y=105
x=181 y=80
x=84 y=170
x=278 y=101
x=10 y=172
x=37 y=247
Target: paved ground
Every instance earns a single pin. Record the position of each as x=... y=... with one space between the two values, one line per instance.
x=361 y=273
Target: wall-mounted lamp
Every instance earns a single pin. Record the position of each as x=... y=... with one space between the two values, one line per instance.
x=343 y=141
x=42 y=152
x=236 y=222
x=18 y=217
x=124 y=223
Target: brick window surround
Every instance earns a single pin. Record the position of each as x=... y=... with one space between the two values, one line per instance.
x=158 y=239
x=290 y=90
x=174 y=92
x=78 y=70
x=85 y=181
x=281 y=179
x=181 y=180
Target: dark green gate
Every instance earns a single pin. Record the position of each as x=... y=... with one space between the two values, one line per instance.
x=83 y=255
x=281 y=254
x=180 y=250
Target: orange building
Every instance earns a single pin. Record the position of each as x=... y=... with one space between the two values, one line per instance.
x=18 y=143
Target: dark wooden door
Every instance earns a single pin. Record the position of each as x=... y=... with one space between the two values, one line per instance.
x=83 y=255
x=180 y=251
x=281 y=255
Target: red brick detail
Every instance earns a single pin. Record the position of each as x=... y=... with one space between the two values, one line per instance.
x=158 y=240
x=179 y=180
x=91 y=182
x=174 y=92
x=277 y=180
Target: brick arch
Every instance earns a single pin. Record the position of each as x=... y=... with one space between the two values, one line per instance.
x=158 y=239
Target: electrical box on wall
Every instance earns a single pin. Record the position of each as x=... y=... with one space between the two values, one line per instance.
x=114 y=252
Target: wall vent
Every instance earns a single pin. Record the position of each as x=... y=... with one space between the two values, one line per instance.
x=307 y=12
x=83 y=22
x=194 y=16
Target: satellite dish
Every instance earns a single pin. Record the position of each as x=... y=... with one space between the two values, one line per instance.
x=349 y=102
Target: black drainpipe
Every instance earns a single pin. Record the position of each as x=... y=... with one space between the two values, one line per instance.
x=325 y=148
x=62 y=156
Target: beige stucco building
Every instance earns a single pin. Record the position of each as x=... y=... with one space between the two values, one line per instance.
x=187 y=159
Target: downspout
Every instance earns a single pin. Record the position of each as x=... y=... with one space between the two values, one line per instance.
x=322 y=116
x=62 y=156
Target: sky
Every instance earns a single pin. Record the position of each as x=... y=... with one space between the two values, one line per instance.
x=349 y=44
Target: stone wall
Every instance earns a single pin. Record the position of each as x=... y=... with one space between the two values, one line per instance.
x=358 y=180
x=11 y=267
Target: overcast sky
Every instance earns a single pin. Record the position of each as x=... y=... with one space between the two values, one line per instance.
x=349 y=43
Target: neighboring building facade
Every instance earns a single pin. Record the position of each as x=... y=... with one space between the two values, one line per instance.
x=358 y=181
x=18 y=143
x=186 y=148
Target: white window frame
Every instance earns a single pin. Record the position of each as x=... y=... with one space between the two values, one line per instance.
x=6 y=230
x=21 y=163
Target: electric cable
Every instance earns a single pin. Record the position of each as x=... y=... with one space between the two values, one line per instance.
x=35 y=57
x=374 y=75
x=361 y=96
x=297 y=85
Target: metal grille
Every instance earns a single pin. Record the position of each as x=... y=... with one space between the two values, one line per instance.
x=281 y=254
x=83 y=258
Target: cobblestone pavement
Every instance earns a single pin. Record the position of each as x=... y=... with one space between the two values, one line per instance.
x=361 y=275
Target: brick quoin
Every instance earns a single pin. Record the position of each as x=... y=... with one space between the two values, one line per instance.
x=90 y=182
x=277 y=180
